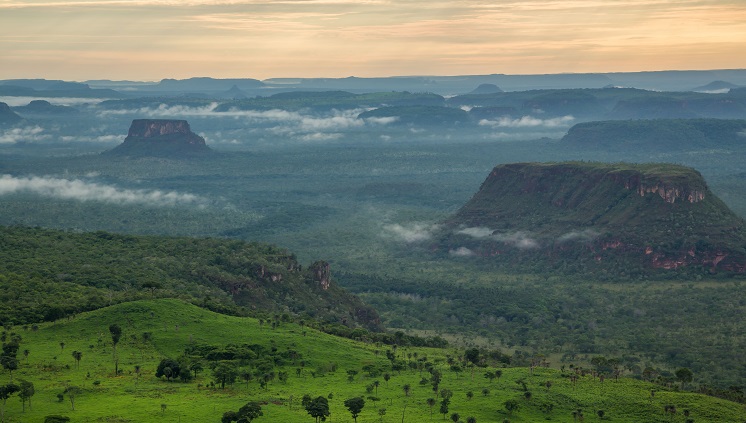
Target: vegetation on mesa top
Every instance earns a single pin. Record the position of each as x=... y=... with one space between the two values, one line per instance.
x=175 y=361
x=656 y=215
x=49 y=274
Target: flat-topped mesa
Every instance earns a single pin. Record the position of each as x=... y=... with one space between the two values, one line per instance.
x=161 y=137
x=163 y=130
x=656 y=215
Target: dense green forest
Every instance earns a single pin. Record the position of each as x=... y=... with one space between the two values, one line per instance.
x=48 y=275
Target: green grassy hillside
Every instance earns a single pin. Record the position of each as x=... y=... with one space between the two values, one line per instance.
x=315 y=363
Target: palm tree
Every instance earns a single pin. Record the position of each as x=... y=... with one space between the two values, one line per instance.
x=431 y=404
x=77 y=355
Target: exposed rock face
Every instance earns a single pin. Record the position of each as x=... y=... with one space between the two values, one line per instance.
x=161 y=137
x=159 y=129
x=659 y=216
x=322 y=273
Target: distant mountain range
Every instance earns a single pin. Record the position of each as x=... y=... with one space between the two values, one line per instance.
x=443 y=85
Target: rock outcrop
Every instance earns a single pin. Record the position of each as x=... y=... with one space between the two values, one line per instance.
x=161 y=137
x=654 y=216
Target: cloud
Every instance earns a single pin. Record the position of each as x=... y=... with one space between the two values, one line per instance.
x=476 y=232
x=57 y=101
x=584 y=235
x=382 y=120
x=76 y=189
x=461 y=252
x=522 y=136
x=305 y=126
x=416 y=232
x=26 y=134
x=104 y=139
x=320 y=136
x=517 y=239
x=528 y=122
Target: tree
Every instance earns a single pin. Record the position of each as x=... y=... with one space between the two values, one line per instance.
x=152 y=286
x=72 y=392
x=5 y=392
x=455 y=417
x=250 y=411
x=318 y=408
x=225 y=373
x=168 y=367
x=386 y=377
x=444 y=407
x=684 y=375
x=116 y=334
x=77 y=355
x=469 y=395
x=25 y=392
x=407 y=388
x=511 y=406
x=472 y=355
x=600 y=414
x=471 y=419
x=431 y=404
x=195 y=366
x=8 y=358
x=54 y=418
x=355 y=406
x=381 y=412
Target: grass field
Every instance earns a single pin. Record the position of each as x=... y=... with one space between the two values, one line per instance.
x=174 y=325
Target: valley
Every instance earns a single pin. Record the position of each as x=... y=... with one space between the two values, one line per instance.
x=371 y=184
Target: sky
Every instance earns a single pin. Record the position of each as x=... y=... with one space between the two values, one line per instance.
x=148 y=40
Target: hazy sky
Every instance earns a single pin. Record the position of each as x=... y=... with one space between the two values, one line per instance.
x=155 y=39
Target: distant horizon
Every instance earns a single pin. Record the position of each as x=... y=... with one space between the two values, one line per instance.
x=155 y=81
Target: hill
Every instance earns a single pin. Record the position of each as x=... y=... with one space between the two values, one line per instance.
x=161 y=138
x=8 y=116
x=661 y=135
x=230 y=361
x=86 y=271
x=582 y=216
x=43 y=107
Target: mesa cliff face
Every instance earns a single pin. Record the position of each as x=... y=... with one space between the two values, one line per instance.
x=161 y=137
x=649 y=216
